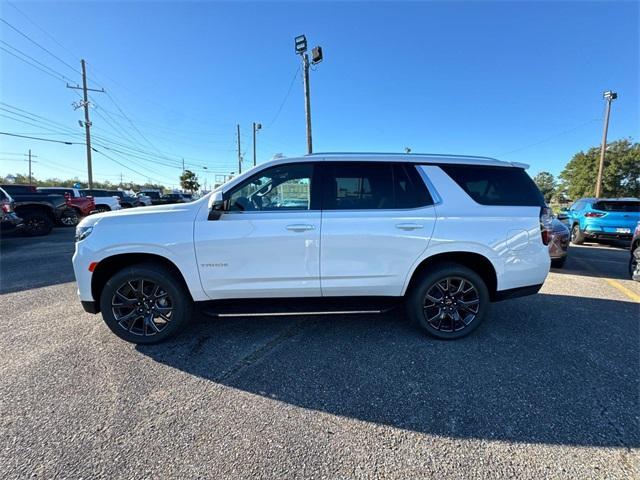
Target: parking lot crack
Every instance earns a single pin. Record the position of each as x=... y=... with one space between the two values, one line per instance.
x=259 y=353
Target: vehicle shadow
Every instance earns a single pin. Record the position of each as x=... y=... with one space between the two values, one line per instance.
x=546 y=369
x=593 y=260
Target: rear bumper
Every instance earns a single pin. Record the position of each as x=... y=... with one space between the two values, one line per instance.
x=608 y=235
x=516 y=292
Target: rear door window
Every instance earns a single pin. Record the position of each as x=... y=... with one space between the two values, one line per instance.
x=373 y=186
x=496 y=185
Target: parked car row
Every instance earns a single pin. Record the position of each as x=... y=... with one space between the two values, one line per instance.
x=34 y=211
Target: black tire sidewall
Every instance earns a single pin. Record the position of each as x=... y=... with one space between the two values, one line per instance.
x=419 y=291
x=181 y=300
x=43 y=230
x=579 y=238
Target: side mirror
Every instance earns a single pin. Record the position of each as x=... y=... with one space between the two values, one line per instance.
x=218 y=206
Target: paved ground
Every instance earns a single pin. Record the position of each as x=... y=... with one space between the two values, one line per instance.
x=546 y=388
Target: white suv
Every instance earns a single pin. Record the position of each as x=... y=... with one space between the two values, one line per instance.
x=324 y=233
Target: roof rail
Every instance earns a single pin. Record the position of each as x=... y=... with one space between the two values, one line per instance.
x=399 y=154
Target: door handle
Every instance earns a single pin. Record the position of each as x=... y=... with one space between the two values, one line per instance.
x=300 y=227
x=408 y=226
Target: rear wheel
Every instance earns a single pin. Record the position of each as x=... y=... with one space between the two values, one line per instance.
x=449 y=301
x=144 y=304
x=577 y=236
x=35 y=224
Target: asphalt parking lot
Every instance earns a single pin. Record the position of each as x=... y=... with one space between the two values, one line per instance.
x=548 y=387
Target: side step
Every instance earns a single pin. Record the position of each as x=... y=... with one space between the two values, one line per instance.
x=275 y=307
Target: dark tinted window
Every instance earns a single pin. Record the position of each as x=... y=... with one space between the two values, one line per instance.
x=496 y=185
x=410 y=191
x=57 y=191
x=373 y=185
x=617 y=206
x=358 y=186
x=18 y=189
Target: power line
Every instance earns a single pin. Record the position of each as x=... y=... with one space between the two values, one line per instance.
x=42 y=29
x=295 y=75
x=64 y=77
x=37 y=44
x=41 y=139
x=29 y=63
x=551 y=137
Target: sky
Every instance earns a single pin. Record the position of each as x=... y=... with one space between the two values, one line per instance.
x=519 y=81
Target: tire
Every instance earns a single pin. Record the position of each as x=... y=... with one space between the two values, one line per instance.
x=102 y=208
x=69 y=218
x=558 y=262
x=36 y=224
x=577 y=237
x=444 y=325
x=634 y=264
x=129 y=320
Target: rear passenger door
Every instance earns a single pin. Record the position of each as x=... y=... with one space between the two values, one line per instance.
x=377 y=218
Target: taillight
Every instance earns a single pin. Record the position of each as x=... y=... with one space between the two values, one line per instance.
x=594 y=215
x=545 y=224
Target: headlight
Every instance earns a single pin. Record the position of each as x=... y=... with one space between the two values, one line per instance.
x=83 y=232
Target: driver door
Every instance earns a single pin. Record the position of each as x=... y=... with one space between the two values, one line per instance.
x=266 y=243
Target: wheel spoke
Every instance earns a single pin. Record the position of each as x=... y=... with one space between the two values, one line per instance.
x=125 y=300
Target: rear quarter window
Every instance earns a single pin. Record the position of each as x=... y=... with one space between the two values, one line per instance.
x=496 y=185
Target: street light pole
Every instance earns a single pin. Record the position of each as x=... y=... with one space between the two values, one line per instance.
x=609 y=96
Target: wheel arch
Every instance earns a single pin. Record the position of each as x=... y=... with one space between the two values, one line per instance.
x=107 y=267
x=26 y=209
x=473 y=260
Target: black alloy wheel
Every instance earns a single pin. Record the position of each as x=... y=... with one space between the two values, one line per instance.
x=145 y=303
x=451 y=304
x=142 y=307
x=449 y=301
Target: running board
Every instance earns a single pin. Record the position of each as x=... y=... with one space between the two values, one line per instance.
x=276 y=307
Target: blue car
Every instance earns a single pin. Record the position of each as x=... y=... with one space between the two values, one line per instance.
x=603 y=219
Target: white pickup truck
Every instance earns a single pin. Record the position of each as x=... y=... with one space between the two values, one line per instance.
x=105 y=201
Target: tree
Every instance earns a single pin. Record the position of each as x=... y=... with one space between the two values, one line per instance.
x=620 y=177
x=546 y=182
x=189 y=181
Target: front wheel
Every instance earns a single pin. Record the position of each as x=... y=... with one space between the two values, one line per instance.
x=577 y=237
x=69 y=218
x=448 y=302
x=145 y=304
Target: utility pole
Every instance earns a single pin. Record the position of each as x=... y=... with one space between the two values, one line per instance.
x=29 y=166
x=609 y=96
x=183 y=165
x=316 y=57
x=87 y=121
x=239 y=152
x=256 y=127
